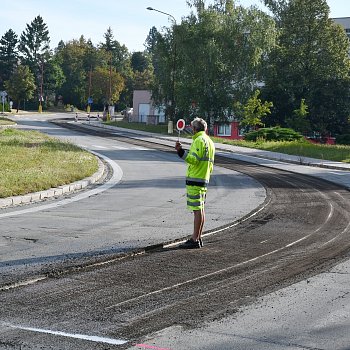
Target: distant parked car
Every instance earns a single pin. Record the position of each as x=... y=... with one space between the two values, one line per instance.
x=127 y=112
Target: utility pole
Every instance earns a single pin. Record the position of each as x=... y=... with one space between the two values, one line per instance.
x=110 y=89
x=41 y=88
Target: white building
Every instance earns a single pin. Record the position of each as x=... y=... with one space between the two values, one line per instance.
x=144 y=110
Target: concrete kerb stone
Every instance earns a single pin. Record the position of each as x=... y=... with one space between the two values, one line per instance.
x=5 y=202
x=53 y=192
x=3 y=127
x=8 y=126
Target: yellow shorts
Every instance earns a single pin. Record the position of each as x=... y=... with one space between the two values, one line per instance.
x=196 y=197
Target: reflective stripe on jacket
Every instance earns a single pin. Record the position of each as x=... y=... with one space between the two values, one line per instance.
x=200 y=160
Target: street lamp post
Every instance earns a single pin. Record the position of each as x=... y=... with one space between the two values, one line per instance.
x=88 y=109
x=41 y=88
x=172 y=97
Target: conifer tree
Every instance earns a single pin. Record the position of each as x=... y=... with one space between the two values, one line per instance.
x=35 y=45
x=8 y=55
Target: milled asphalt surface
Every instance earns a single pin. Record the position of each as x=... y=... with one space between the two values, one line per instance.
x=312 y=314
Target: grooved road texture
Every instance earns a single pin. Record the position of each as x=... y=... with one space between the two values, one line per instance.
x=302 y=229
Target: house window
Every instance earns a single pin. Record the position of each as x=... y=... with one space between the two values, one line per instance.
x=144 y=109
x=224 y=130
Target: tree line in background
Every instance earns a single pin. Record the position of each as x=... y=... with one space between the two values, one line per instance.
x=72 y=73
x=288 y=68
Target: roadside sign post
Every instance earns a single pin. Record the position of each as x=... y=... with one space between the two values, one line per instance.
x=180 y=125
x=41 y=99
x=3 y=95
x=90 y=102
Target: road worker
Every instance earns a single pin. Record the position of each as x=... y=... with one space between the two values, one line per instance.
x=200 y=162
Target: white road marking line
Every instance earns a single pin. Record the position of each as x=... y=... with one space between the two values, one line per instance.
x=139 y=148
x=23 y=283
x=98 y=147
x=75 y=336
x=345 y=173
x=337 y=236
x=120 y=147
x=117 y=176
x=232 y=267
x=195 y=279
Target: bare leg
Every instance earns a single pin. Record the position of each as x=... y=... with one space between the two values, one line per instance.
x=199 y=219
x=203 y=221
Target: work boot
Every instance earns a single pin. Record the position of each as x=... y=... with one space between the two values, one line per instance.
x=190 y=244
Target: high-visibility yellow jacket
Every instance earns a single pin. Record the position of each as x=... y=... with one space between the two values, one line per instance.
x=200 y=160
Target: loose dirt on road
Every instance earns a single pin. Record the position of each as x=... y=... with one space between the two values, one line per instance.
x=302 y=229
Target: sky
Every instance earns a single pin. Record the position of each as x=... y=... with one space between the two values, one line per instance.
x=129 y=20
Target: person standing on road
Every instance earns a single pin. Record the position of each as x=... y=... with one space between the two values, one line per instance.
x=200 y=161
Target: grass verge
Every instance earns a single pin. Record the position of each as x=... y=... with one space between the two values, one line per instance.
x=337 y=153
x=31 y=161
x=158 y=129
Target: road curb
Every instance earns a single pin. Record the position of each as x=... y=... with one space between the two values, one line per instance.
x=54 y=192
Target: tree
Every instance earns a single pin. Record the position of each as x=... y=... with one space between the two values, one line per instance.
x=142 y=80
x=139 y=61
x=35 y=50
x=277 y=7
x=54 y=78
x=254 y=110
x=35 y=44
x=70 y=58
x=151 y=40
x=8 y=55
x=299 y=120
x=219 y=52
x=117 y=54
x=21 y=85
x=312 y=55
x=107 y=85
x=118 y=58
x=142 y=69
x=163 y=56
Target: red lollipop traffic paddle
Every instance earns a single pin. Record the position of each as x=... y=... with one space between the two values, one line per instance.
x=180 y=125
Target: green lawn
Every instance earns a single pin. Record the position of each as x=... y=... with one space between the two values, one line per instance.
x=303 y=148
x=158 y=129
x=31 y=161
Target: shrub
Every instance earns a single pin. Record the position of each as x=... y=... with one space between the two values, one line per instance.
x=6 y=107
x=273 y=134
x=343 y=139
